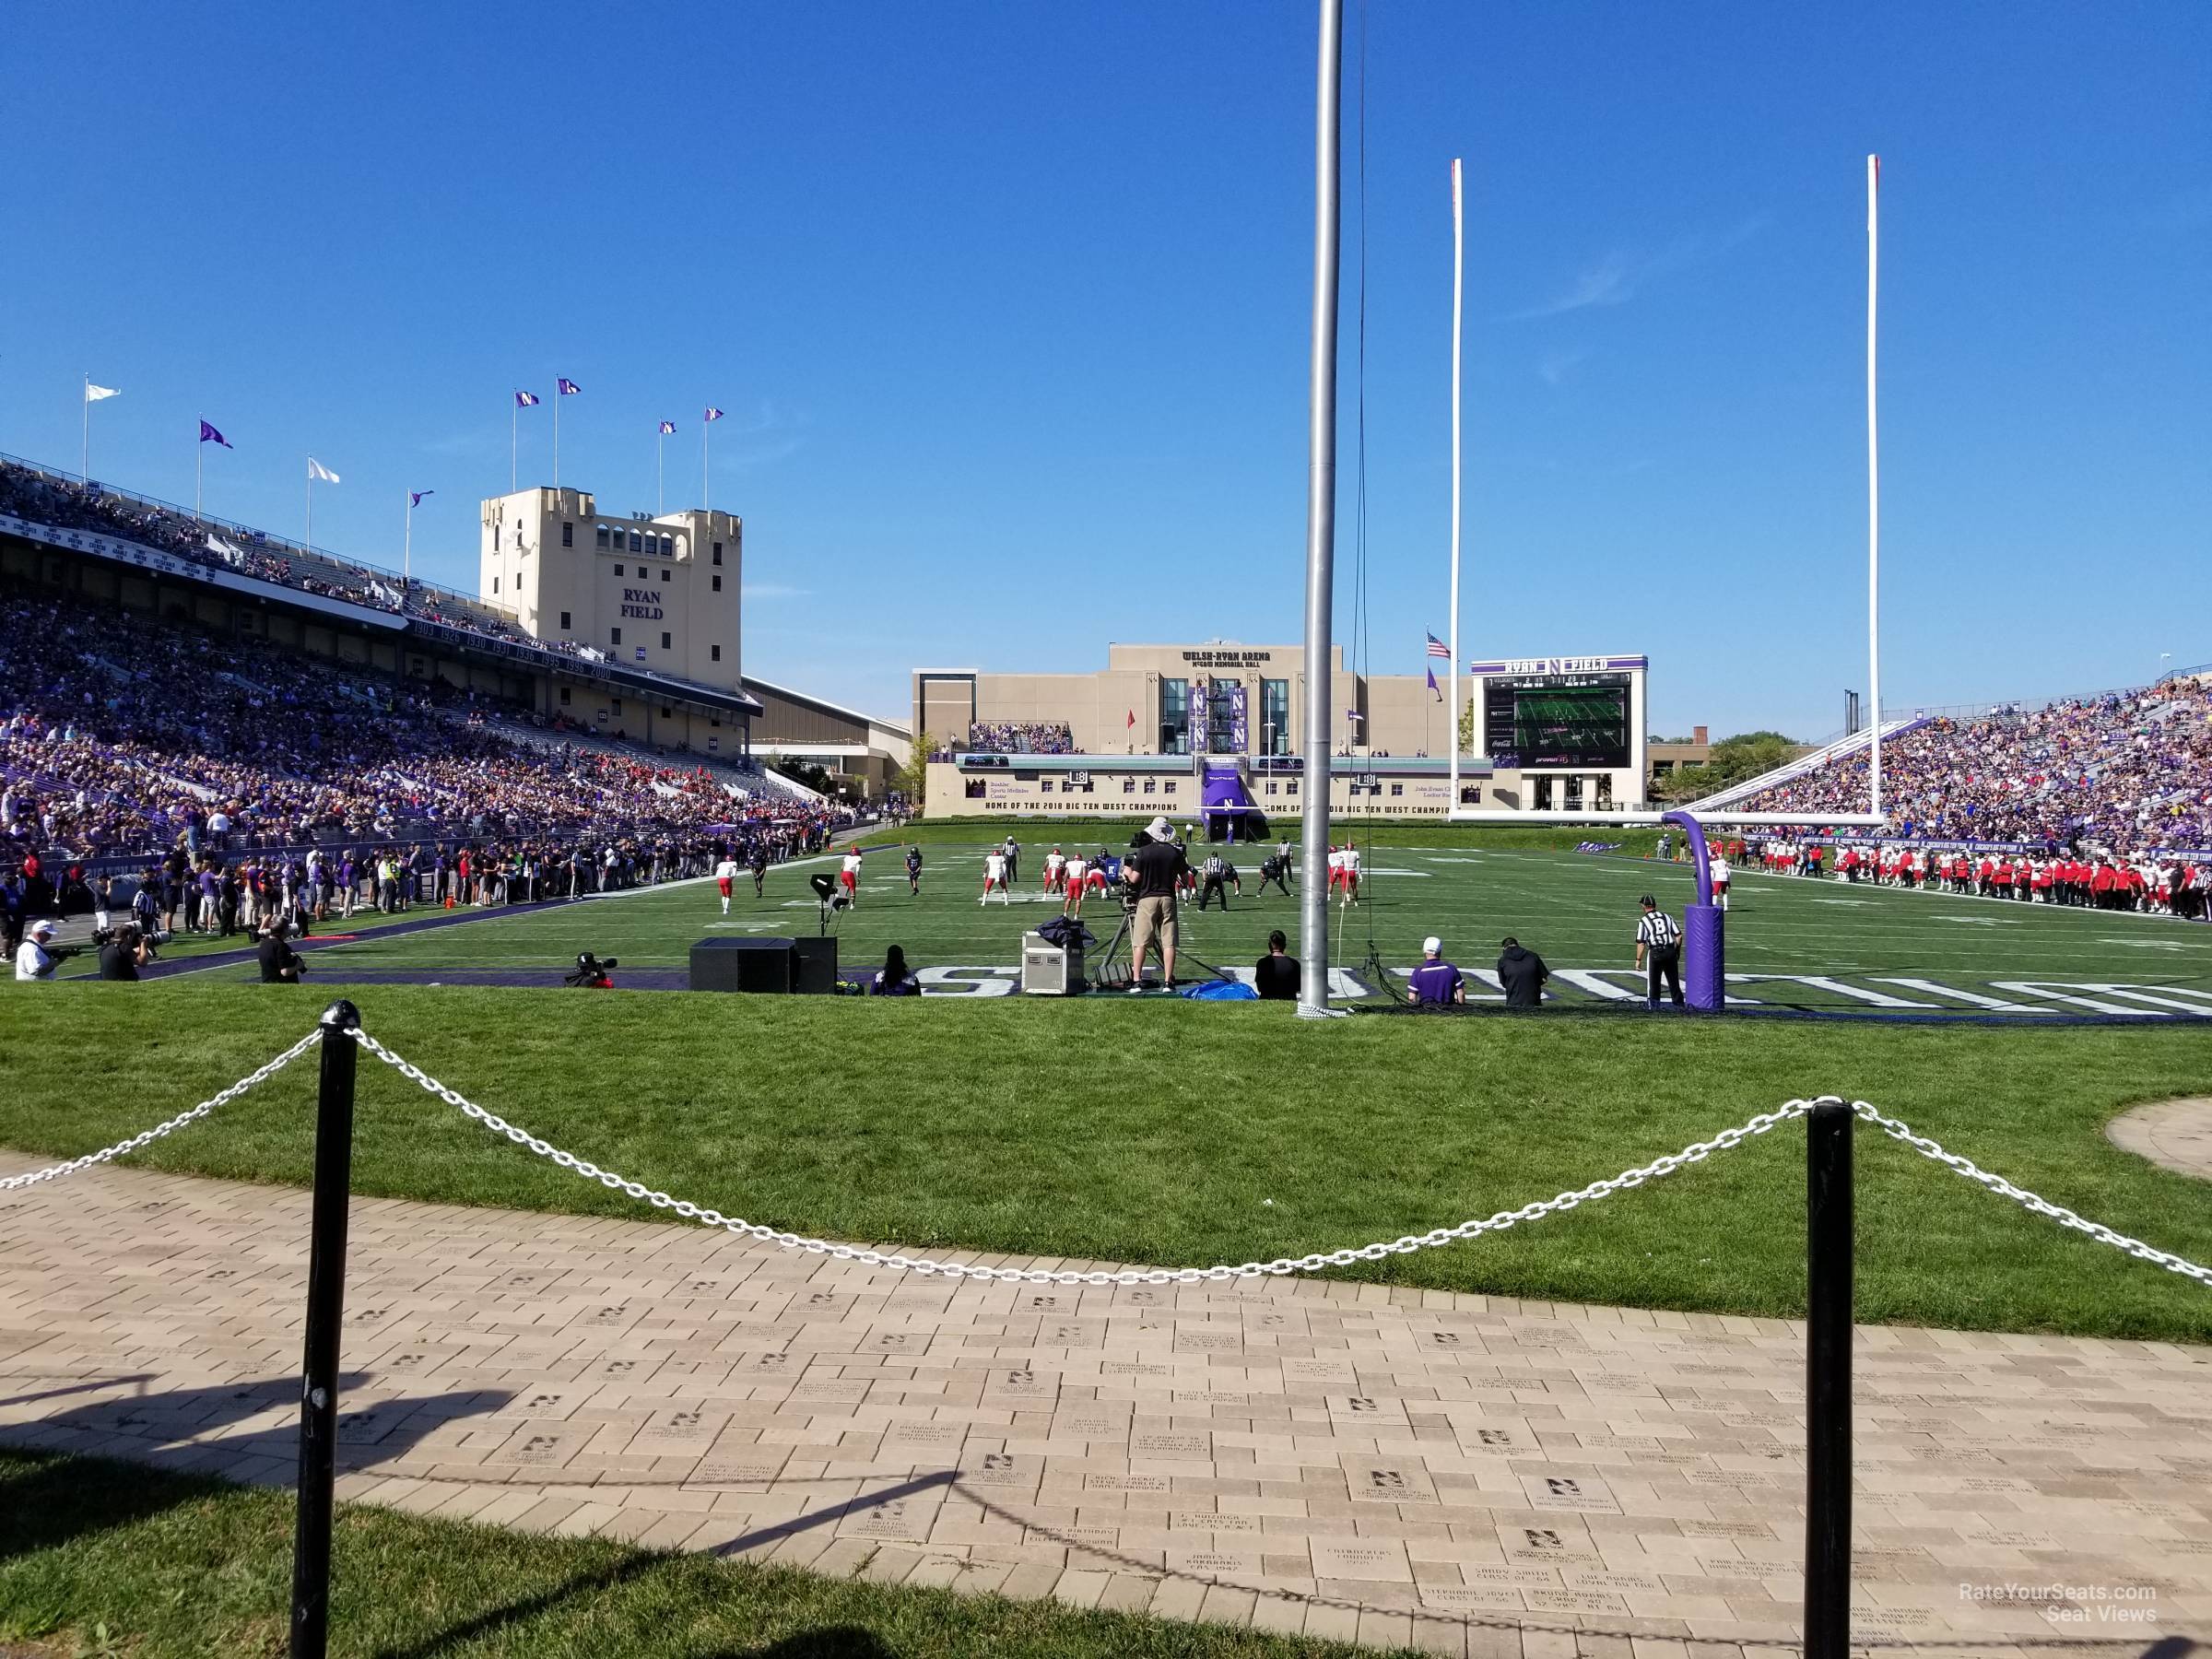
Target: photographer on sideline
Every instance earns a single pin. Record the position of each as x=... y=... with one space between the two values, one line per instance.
x=123 y=954
x=1153 y=870
x=280 y=964
x=33 y=960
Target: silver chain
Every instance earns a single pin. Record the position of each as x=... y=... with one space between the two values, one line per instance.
x=2030 y=1201
x=1667 y=1165
x=15 y=1183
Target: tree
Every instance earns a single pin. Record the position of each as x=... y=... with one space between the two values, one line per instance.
x=1733 y=760
x=912 y=779
x=1467 y=726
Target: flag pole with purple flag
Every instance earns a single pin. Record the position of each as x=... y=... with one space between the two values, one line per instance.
x=660 y=467
x=523 y=400
x=407 y=545
x=562 y=387
x=208 y=435
x=706 y=498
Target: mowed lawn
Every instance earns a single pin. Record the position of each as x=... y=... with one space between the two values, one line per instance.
x=1177 y=1133
x=1834 y=946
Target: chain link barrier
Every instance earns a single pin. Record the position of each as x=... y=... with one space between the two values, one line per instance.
x=1695 y=1153
x=1898 y=1130
x=17 y=1182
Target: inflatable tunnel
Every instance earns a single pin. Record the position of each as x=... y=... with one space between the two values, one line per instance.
x=1231 y=814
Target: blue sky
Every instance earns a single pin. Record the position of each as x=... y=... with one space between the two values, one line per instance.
x=1008 y=304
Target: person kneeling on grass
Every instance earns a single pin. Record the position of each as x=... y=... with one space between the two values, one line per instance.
x=1276 y=975
x=894 y=979
x=1436 y=984
x=1522 y=974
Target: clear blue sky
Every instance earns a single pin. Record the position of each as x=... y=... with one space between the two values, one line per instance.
x=1010 y=301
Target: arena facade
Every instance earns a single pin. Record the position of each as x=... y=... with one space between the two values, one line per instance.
x=1565 y=732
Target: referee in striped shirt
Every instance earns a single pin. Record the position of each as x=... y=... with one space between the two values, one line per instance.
x=1659 y=950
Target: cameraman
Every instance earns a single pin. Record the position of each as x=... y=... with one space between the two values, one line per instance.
x=280 y=964
x=1153 y=872
x=123 y=954
x=34 y=961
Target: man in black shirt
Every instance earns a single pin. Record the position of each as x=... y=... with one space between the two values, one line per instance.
x=1155 y=869
x=280 y=964
x=123 y=955
x=1276 y=977
x=1522 y=974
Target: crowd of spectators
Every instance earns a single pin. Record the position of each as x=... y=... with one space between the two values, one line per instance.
x=119 y=737
x=2128 y=775
x=44 y=499
x=1019 y=737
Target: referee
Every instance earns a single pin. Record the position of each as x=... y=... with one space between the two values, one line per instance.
x=1659 y=951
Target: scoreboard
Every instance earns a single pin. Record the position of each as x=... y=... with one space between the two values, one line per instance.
x=1560 y=711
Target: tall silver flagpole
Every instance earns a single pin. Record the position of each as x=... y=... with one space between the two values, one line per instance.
x=660 y=471
x=199 y=448
x=84 y=463
x=514 y=426
x=406 y=550
x=310 y=503
x=1458 y=283
x=1320 y=522
x=1874 y=505
x=557 y=434
x=705 y=496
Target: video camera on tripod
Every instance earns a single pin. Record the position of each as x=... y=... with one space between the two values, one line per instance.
x=590 y=973
x=826 y=890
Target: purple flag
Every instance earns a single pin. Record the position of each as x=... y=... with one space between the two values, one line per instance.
x=414 y=500
x=210 y=435
x=525 y=400
x=668 y=425
x=713 y=415
x=1353 y=714
x=569 y=388
x=1434 y=687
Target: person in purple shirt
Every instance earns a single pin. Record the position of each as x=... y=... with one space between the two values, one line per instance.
x=1436 y=982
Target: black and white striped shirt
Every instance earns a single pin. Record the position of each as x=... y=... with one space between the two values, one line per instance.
x=1658 y=929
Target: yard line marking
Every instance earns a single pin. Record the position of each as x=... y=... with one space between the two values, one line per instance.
x=1972 y=998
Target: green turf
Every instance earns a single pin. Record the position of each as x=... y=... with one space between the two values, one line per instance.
x=101 y=1558
x=1470 y=886
x=1178 y=1134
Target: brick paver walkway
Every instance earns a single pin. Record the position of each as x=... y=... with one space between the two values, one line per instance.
x=1472 y=1476
x=2177 y=1134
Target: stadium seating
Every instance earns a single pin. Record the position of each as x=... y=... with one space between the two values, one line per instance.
x=2129 y=772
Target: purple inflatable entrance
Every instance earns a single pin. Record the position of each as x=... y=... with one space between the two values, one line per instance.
x=1230 y=811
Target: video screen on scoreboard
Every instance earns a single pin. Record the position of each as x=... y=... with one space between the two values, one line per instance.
x=1558 y=720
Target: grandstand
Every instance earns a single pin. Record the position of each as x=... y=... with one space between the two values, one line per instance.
x=2125 y=773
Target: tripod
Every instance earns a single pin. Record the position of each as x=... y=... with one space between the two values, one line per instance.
x=1116 y=965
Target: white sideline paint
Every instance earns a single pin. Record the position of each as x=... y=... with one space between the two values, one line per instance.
x=1834 y=987
x=1973 y=998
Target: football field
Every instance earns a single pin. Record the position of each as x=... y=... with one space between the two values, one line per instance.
x=1792 y=943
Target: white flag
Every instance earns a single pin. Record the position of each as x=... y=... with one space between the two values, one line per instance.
x=94 y=394
x=315 y=469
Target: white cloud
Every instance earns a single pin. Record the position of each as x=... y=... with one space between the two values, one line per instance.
x=1615 y=277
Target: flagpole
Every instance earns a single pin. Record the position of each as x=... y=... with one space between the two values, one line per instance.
x=1459 y=246
x=514 y=418
x=406 y=550
x=311 y=504
x=705 y=496
x=83 y=466
x=1321 y=520
x=1874 y=502
x=557 y=397
x=660 y=471
x=199 y=449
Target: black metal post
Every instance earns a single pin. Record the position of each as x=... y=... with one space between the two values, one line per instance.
x=325 y=1319
x=1828 y=1383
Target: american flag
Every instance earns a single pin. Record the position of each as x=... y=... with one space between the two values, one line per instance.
x=1437 y=648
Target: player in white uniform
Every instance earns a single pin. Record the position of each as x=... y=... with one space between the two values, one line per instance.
x=849 y=875
x=1720 y=882
x=994 y=875
x=725 y=873
x=1351 y=873
x=1073 y=880
x=1056 y=864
